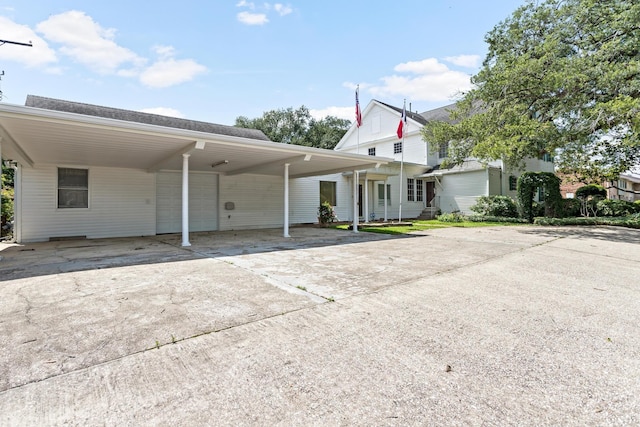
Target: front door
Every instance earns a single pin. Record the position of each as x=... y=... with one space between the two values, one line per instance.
x=359 y=199
x=431 y=192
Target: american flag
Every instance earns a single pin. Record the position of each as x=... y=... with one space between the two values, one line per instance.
x=358 y=113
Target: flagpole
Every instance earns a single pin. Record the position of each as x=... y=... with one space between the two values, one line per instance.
x=404 y=125
x=358 y=117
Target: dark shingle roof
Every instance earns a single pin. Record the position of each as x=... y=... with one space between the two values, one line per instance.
x=413 y=116
x=439 y=114
x=139 y=117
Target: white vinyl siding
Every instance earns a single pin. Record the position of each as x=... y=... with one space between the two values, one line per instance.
x=460 y=191
x=121 y=203
x=258 y=201
x=303 y=200
x=203 y=202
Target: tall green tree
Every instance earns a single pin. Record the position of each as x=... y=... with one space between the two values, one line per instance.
x=560 y=77
x=291 y=126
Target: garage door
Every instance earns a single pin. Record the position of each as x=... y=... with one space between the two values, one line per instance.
x=203 y=202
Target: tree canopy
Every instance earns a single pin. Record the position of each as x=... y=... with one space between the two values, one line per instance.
x=560 y=77
x=291 y=126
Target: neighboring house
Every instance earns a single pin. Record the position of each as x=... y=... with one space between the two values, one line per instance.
x=90 y=171
x=416 y=184
x=627 y=187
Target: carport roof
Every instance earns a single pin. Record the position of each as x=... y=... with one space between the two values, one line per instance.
x=49 y=131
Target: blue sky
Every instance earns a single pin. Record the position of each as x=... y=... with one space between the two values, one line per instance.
x=217 y=60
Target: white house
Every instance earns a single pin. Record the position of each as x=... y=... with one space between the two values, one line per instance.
x=90 y=171
x=415 y=182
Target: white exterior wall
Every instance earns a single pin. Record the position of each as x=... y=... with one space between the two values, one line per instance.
x=304 y=200
x=460 y=191
x=258 y=200
x=203 y=202
x=121 y=203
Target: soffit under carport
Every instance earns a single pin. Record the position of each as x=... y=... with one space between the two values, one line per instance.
x=40 y=136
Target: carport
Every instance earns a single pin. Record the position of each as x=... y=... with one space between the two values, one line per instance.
x=56 y=132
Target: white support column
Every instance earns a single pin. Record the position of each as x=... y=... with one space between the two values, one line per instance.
x=185 y=200
x=366 y=199
x=386 y=196
x=286 y=200
x=355 y=201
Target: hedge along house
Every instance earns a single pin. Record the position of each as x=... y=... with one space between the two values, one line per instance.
x=91 y=171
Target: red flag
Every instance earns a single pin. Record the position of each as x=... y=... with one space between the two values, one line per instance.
x=403 y=121
x=358 y=113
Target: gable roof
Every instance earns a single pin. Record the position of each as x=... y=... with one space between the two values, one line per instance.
x=140 y=117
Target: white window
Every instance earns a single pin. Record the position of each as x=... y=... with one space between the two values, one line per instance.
x=73 y=188
x=328 y=192
x=410 y=189
x=372 y=151
x=381 y=194
x=397 y=147
x=443 y=152
x=419 y=192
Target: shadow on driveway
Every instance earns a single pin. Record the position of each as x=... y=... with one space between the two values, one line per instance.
x=45 y=258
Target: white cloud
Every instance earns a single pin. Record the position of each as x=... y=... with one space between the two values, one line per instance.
x=467 y=61
x=260 y=18
x=426 y=66
x=163 y=111
x=164 y=51
x=169 y=72
x=86 y=42
x=430 y=80
x=347 y=113
x=249 y=18
x=282 y=9
x=40 y=54
x=243 y=3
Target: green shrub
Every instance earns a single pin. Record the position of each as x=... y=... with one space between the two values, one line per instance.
x=487 y=218
x=451 y=217
x=609 y=207
x=631 y=221
x=571 y=207
x=591 y=190
x=326 y=214
x=501 y=206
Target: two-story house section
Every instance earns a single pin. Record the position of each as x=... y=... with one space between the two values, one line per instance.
x=415 y=184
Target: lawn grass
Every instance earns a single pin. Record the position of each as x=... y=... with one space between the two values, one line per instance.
x=421 y=225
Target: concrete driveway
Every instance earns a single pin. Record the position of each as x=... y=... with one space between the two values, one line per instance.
x=487 y=326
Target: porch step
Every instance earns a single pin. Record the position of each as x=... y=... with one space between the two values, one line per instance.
x=428 y=213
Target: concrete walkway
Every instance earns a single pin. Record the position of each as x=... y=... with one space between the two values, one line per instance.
x=487 y=326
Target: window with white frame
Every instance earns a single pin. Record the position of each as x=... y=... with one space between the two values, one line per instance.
x=397 y=147
x=443 y=152
x=328 y=192
x=419 y=191
x=381 y=194
x=73 y=188
x=372 y=151
x=410 y=189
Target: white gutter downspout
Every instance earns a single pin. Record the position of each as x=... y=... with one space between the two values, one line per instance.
x=286 y=200
x=355 y=201
x=185 y=200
